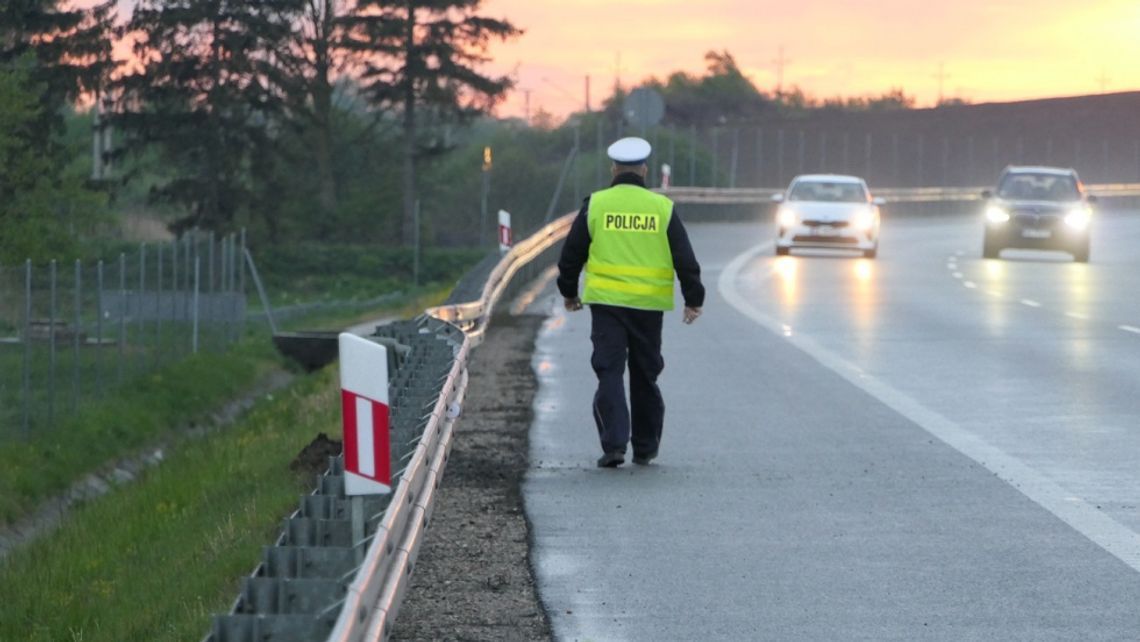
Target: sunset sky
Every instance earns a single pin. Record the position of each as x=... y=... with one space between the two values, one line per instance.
x=993 y=50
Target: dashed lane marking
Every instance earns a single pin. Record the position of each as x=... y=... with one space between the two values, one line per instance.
x=1083 y=517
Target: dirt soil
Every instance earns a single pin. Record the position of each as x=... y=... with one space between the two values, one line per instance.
x=473 y=579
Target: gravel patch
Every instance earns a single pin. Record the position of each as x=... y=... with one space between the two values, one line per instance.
x=473 y=579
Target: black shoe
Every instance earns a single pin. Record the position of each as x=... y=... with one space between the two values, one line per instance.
x=643 y=460
x=611 y=460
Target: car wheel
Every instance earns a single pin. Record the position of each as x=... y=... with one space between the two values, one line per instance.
x=1081 y=254
x=990 y=248
x=871 y=253
x=782 y=251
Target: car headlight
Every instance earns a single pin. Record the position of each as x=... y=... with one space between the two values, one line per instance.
x=786 y=217
x=995 y=214
x=1078 y=218
x=863 y=220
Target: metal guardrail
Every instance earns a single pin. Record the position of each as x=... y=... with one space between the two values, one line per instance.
x=752 y=195
x=375 y=595
x=321 y=580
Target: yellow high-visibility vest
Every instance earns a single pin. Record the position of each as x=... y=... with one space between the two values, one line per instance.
x=630 y=263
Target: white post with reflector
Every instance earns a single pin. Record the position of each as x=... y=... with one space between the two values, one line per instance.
x=364 y=403
x=666 y=175
x=505 y=238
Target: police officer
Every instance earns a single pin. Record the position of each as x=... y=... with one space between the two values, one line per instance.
x=631 y=243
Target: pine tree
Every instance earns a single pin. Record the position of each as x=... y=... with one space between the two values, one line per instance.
x=424 y=55
x=71 y=49
x=321 y=54
x=211 y=95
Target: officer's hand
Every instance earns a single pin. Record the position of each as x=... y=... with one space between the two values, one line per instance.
x=690 y=315
x=574 y=304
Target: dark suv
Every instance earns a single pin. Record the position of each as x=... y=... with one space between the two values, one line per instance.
x=1043 y=208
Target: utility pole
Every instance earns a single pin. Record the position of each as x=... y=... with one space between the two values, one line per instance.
x=526 y=109
x=588 y=93
x=1103 y=80
x=941 y=76
x=780 y=63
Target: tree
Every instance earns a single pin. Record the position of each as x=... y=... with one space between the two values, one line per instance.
x=71 y=50
x=210 y=96
x=721 y=95
x=321 y=53
x=38 y=204
x=423 y=56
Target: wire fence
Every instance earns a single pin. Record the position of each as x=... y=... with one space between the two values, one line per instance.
x=72 y=331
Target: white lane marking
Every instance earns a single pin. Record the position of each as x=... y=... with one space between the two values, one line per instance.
x=993 y=293
x=960 y=252
x=958 y=275
x=970 y=284
x=1129 y=328
x=1086 y=519
x=1077 y=315
x=1031 y=303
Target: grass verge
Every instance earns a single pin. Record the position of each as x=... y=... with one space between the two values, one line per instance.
x=150 y=407
x=153 y=560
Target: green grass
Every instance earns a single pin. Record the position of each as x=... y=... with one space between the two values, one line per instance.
x=153 y=560
x=144 y=409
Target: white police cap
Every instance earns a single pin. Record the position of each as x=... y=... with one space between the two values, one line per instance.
x=630 y=151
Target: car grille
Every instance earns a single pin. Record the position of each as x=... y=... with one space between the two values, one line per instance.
x=815 y=223
x=1035 y=219
x=830 y=240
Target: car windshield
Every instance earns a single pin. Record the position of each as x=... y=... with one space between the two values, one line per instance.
x=831 y=192
x=1039 y=187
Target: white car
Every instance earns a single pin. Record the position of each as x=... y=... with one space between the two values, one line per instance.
x=827 y=211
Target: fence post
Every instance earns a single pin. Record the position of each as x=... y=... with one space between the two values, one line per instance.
x=209 y=289
x=75 y=332
x=27 y=348
x=141 y=331
x=122 y=314
x=197 y=279
x=99 y=328
x=224 y=288
x=158 y=312
x=51 y=343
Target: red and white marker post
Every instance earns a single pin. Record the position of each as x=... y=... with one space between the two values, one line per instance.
x=505 y=238
x=666 y=176
x=364 y=402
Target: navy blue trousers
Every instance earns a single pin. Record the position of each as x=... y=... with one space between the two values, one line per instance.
x=621 y=336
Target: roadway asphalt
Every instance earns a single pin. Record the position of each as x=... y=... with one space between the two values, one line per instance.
x=924 y=446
